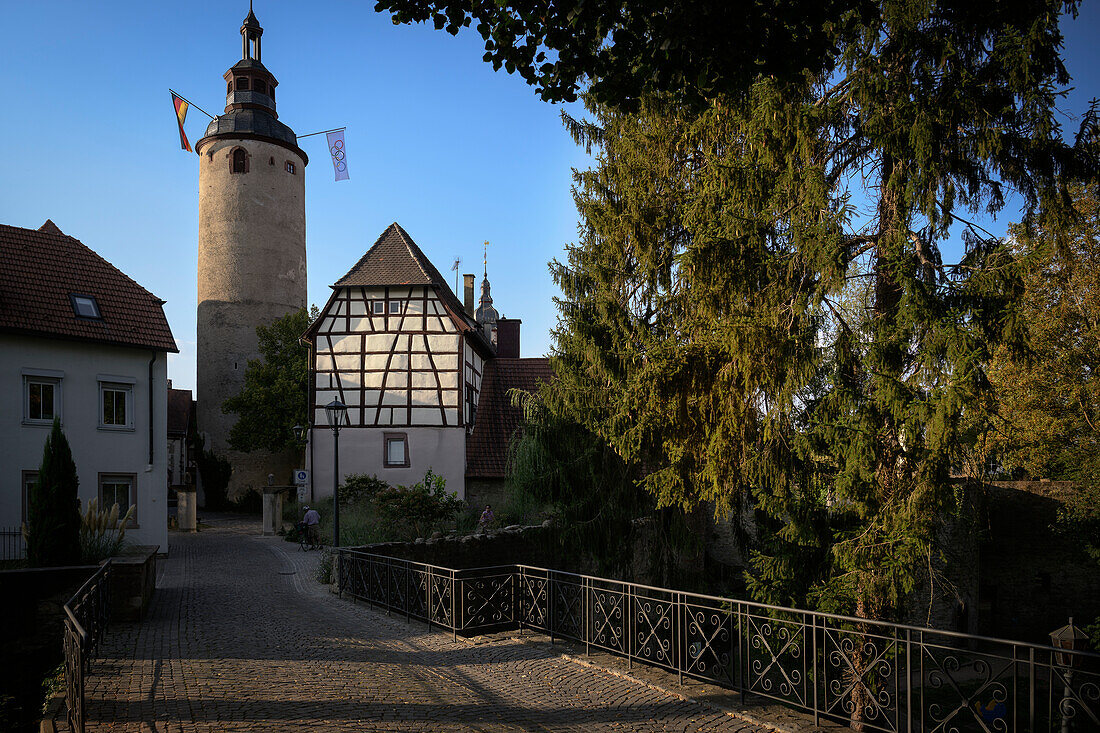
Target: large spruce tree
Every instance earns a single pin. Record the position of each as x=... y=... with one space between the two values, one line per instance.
x=53 y=508
x=758 y=303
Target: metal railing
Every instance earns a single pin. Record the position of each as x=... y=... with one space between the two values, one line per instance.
x=12 y=546
x=868 y=674
x=86 y=616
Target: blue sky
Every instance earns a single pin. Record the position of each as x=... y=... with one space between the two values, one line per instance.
x=437 y=141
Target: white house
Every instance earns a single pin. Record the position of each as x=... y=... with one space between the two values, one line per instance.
x=81 y=341
x=408 y=359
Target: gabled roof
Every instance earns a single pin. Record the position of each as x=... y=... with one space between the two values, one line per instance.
x=40 y=269
x=497 y=420
x=394 y=260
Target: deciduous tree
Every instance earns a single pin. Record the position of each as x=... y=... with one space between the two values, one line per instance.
x=273 y=399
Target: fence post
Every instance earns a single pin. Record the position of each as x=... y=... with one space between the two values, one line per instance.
x=586 y=613
x=454 y=616
x=627 y=623
x=679 y=636
x=818 y=675
x=909 y=679
x=1031 y=689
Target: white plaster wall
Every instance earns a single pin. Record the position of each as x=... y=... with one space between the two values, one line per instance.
x=94 y=450
x=441 y=449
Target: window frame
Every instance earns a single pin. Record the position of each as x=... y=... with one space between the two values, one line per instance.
x=393 y=307
x=91 y=299
x=25 y=489
x=41 y=377
x=116 y=384
x=108 y=477
x=387 y=438
x=378 y=307
x=290 y=168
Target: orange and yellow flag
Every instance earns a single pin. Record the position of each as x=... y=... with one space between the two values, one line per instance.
x=181 y=114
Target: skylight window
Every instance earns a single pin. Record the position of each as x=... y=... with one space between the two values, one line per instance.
x=85 y=306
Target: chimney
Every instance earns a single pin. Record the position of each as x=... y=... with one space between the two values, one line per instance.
x=508 y=337
x=468 y=294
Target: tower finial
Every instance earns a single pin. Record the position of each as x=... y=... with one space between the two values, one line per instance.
x=485 y=259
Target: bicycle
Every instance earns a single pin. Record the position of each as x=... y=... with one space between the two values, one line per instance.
x=307 y=537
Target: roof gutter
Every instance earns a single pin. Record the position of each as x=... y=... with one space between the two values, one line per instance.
x=152 y=444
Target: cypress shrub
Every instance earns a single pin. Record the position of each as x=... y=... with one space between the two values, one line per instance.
x=53 y=511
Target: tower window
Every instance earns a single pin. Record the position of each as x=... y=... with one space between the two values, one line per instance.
x=259 y=86
x=289 y=167
x=240 y=161
x=271 y=160
x=242 y=83
x=229 y=88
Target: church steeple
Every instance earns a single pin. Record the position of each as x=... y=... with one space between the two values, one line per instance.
x=486 y=315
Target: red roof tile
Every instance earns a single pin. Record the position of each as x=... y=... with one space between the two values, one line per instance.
x=39 y=269
x=497 y=420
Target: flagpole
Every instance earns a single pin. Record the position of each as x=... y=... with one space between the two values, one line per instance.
x=322 y=132
x=200 y=109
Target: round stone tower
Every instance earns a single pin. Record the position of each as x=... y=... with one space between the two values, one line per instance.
x=252 y=248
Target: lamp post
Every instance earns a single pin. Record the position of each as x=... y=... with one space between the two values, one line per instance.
x=301 y=437
x=337 y=412
x=1069 y=638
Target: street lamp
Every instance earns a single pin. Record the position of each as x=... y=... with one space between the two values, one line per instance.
x=337 y=413
x=299 y=432
x=1070 y=638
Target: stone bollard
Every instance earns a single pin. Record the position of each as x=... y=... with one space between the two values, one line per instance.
x=187 y=510
x=273 y=510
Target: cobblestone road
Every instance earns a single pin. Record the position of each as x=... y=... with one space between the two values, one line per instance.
x=242 y=638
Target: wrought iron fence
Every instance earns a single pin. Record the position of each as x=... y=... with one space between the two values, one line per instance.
x=871 y=675
x=12 y=546
x=86 y=616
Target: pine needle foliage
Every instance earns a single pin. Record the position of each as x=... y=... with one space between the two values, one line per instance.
x=53 y=509
x=757 y=307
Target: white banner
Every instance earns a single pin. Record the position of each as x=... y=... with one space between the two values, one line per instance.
x=339 y=158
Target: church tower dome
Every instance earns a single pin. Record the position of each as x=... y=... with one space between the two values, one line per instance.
x=252 y=247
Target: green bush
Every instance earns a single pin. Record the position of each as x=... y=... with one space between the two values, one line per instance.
x=360 y=488
x=53 y=509
x=421 y=507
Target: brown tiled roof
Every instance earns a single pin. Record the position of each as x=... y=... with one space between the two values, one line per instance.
x=396 y=260
x=497 y=419
x=179 y=411
x=40 y=268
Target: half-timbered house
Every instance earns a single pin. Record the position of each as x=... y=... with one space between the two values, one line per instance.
x=396 y=346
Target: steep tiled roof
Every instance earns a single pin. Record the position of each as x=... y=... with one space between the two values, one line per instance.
x=39 y=269
x=396 y=260
x=497 y=419
x=179 y=411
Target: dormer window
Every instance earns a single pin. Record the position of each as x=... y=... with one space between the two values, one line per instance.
x=242 y=83
x=85 y=306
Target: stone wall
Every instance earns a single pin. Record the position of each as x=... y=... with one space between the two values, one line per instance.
x=515 y=545
x=1033 y=576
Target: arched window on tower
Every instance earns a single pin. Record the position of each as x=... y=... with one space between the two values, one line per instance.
x=259 y=86
x=242 y=83
x=240 y=161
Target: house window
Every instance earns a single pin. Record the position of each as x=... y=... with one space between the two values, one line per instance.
x=379 y=307
x=117 y=488
x=85 y=306
x=42 y=399
x=116 y=401
x=290 y=167
x=471 y=406
x=395 y=307
x=396 y=447
x=29 y=480
x=240 y=161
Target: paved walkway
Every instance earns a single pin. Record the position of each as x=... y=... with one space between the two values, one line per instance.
x=241 y=637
